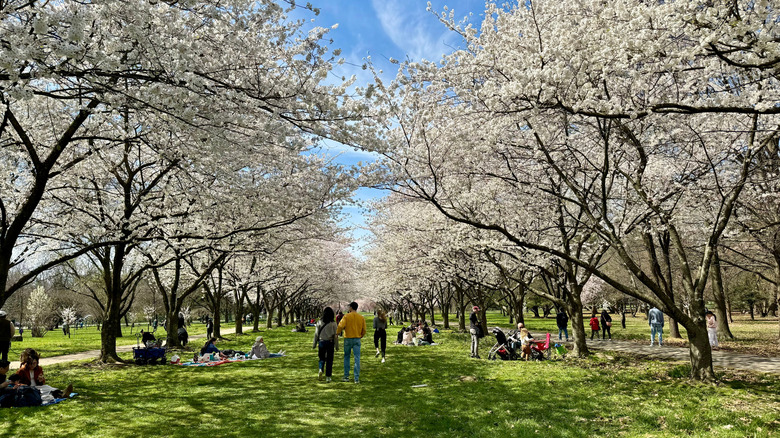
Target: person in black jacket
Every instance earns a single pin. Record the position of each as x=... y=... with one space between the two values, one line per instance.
x=606 y=325
x=475 y=329
x=562 y=320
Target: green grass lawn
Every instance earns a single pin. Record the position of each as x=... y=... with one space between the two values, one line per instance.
x=54 y=343
x=606 y=395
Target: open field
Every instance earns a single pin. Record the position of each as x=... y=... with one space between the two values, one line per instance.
x=606 y=395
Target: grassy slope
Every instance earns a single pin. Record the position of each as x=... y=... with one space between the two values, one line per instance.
x=602 y=396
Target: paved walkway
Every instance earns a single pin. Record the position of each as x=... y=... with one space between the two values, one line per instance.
x=720 y=358
x=94 y=354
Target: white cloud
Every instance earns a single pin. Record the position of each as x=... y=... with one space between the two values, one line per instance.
x=414 y=30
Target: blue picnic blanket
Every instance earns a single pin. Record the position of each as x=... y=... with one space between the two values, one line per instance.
x=58 y=400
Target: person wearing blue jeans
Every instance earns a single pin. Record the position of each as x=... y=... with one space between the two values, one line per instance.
x=354 y=327
x=562 y=321
x=655 y=318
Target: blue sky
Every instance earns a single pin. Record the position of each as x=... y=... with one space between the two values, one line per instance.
x=383 y=29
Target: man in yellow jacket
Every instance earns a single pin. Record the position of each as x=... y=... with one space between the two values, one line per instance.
x=354 y=327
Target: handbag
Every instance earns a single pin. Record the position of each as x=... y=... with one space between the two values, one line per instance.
x=609 y=323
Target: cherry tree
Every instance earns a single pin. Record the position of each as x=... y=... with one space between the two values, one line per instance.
x=82 y=77
x=634 y=132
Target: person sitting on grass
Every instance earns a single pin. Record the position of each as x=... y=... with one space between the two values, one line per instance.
x=408 y=336
x=210 y=348
x=4 y=382
x=260 y=351
x=427 y=335
x=31 y=374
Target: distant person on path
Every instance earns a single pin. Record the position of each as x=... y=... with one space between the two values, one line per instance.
x=209 y=327
x=325 y=338
x=7 y=332
x=594 y=326
x=712 y=329
x=354 y=327
x=655 y=318
x=606 y=325
x=339 y=315
x=476 y=331
x=380 y=333
x=562 y=321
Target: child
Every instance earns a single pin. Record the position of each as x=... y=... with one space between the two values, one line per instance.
x=594 y=326
x=4 y=366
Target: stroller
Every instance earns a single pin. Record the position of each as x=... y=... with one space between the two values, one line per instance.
x=504 y=347
x=151 y=352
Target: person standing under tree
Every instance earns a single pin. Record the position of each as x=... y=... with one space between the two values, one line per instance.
x=7 y=332
x=712 y=329
x=606 y=325
x=325 y=338
x=354 y=327
x=655 y=318
x=476 y=332
x=562 y=321
x=209 y=327
x=380 y=333
x=594 y=326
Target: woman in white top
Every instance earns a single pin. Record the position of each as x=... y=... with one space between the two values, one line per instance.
x=712 y=329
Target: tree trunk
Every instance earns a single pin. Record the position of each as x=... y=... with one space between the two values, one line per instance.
x=574 y=308
x=720 y=297
x=172 y=327
x=108 y=334
x=217 y=322
x=701 y=353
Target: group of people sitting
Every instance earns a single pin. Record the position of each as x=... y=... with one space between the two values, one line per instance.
x=259 y=351
x=29 y=375
x=409 y=335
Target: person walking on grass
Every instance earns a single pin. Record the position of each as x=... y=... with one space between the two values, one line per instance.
x=562 y=321
x=7 y=332
x=476 y=331
x=655 y=318
x=606 y=325
x=594 y=326
x=354 y=327
x=325 y=338
x=380 y=333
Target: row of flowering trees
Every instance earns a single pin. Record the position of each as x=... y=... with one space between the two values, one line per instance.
x=625 y=140
x=158 y=141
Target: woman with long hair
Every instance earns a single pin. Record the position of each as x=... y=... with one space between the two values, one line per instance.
x=326 y=339
x=380 y=333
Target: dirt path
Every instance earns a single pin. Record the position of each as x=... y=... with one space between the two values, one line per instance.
x=720 y=359
x=92 y=354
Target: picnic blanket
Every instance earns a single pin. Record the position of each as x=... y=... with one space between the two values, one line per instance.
x=58 y=400
x=215 y=363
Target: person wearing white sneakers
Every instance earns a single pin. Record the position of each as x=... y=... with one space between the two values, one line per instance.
x=380 y=333
x=354 y=327
x=325 y=338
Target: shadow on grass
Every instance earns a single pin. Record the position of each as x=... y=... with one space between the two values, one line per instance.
x=462 y=397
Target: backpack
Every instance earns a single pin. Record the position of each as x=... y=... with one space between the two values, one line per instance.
x=25 y=396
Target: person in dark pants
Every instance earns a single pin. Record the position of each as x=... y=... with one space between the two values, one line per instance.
x=475 y=329
x=562 y=321
x=594 y=326
x=209 y=327
x=7 y=332
x=606 y=325
x=325 y=338
x=380 y=333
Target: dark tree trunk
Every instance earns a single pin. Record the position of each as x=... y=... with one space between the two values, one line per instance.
x=719 y=297
x=574 y=308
